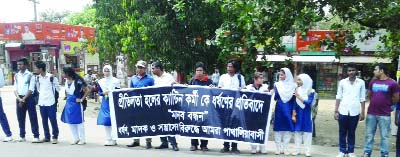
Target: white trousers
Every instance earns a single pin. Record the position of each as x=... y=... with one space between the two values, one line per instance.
x=282 y=144
x=109 y=135
x=300 y=137
x=261 y=147
x=78 y=131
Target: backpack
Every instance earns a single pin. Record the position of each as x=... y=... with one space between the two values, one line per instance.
x=56 y=94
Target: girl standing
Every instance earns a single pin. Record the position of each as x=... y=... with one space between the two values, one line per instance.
x=283 y=124
x=76 y=90
x=258 y=80
x=302 y=113
x=107 y=85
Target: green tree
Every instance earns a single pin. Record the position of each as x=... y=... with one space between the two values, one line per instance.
x=84 y=18
x=53 y=16
x=180 y=32
x=175 y=32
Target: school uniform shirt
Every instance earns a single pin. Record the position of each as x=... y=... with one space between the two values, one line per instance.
x=106 y=84
x=262 y=88
x=283 y=113
x=227 y=81
x=46 y=89
x=351 y=96
x=24 y=81
x=304 y=116
x=73 y=111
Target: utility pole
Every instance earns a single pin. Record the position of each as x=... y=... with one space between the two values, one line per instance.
x=34 y=8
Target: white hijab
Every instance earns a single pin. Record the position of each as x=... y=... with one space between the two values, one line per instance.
x=109 y=83
x=305 y=89
x=286 y=87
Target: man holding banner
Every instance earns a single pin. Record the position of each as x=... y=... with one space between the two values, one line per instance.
x=138 y=81
x=232 y=80
x=200 y=79
x=162 y=78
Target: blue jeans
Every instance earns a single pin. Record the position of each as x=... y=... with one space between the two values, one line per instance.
x=372 y=122
x=347 y=133
x=49 y=113
x=29 y=107
x=3 y=120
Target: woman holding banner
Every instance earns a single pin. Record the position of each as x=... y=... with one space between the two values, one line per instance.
x=283 y=124
x=200 y=79
x=107 y=84
x=258 y=80
x=76 y=91
x=302 y=113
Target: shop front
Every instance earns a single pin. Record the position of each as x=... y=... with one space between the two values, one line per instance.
x=75 y=56
x=322 y=69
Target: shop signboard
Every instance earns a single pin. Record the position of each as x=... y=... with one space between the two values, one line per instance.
x=70 y=48
x=45 y=31
x=310 y=42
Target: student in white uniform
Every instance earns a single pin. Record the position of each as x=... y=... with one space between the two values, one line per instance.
x=258 y=85
x=107 y=85
x=76 y=90
x=305 y=98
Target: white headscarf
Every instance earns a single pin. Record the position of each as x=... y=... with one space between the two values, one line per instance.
x=286 y=87
x=109 y=83
x=305 y=89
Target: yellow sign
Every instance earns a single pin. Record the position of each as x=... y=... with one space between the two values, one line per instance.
x=398 y=74
x=71 y=48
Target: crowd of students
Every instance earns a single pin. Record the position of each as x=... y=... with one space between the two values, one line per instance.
x=292 y=116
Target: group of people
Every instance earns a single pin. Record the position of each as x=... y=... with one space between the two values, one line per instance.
x=292 y=116
x=31 y=89
x=383 y=93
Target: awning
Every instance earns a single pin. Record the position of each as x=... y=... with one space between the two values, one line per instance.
x=272 y=58
x=281 y=58
x=320 y=59
x=9 y=45
x=363 y=59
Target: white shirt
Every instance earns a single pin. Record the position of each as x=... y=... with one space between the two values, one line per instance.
x=263 y=88
x=165 y=79
x=46 y=91
x=350 y=96
x=227 y=81
x=215 y=77
x=24 y=82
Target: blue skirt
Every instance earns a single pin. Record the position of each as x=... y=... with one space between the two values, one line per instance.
x=73 y=112
x=104 y=114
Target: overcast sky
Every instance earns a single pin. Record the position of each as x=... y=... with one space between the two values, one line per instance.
x=22 y=10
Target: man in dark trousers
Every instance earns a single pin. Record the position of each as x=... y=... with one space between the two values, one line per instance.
x=24 y=87
x=138 y=81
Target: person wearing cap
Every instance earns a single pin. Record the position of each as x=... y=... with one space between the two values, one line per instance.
x=141 y=79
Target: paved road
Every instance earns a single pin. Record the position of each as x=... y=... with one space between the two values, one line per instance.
x=95 y=140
